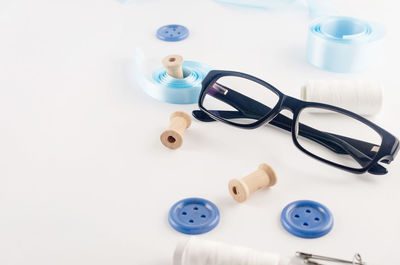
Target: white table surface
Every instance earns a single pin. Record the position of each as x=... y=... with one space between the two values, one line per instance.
x=83 y=176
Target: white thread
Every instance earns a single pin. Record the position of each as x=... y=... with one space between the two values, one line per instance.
x=359 y=96
x=196 y=251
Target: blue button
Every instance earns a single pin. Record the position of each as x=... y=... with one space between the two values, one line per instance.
x=172 y=33
x=307 y=219
x=193 y=216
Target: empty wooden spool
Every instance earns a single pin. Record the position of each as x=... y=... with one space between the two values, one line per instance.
x=173 y=65
x=263 y=177
x=173 y=136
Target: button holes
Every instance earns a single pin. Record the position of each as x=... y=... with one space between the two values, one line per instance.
x=171 y=35
x=174 y=29
x=195 y=208
x=166 y=31
x=316 y=219
x=305 y=224
x=184 y=213
x=203 y=216
x=191 y=221
x=179 y=33
x=308 y=211
x=297 y=216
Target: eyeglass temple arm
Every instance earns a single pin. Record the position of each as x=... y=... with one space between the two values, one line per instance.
x=331 y=141
x=285 y=123
x=250 y=108
x=253 y=109
x=279 y=121
x=336 y=143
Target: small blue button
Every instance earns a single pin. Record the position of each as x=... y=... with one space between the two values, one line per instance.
x=172 y=33
x=307 y=219
x=193 y=216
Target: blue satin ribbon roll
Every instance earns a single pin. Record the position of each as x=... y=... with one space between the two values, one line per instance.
x=344 y=44
x=165 y=88
x=335 y=43
x=316 y=8
x=179 y=91
x=258 y=3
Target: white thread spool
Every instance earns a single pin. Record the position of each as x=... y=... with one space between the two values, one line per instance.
x=196 y=251
x=359 y=96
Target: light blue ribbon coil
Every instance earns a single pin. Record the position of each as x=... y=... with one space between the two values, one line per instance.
x=179 y=91
x=344 y=44
x=315 y=7
x=163 y=87
x=258 y=3
x=335 y=43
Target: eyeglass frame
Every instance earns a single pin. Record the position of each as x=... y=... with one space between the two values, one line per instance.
x=388 y=148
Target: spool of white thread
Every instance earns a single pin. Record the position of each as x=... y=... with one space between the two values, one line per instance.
x=196 y=251
x=359 y=96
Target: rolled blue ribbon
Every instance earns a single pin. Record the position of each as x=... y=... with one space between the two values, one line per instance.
x=316 y=8
x=179 y=91
x=335 y=43
x=257 y=3
x=166 y=88
x=344 y=44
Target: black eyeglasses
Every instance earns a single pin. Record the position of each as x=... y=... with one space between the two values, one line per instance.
x=337 y=137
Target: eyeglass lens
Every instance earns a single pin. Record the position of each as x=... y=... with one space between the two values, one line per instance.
x=352 y=143
x=232 y=98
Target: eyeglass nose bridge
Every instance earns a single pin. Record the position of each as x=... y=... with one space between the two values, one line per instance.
x=292 y=104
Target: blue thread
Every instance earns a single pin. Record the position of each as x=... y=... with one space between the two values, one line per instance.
x=344 y=44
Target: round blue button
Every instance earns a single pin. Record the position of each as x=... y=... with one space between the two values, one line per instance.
x=193 y=216
x=172 y=33
x=307 y=219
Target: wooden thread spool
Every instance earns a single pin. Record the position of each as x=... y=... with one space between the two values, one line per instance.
x=173 y=136
x=240 y=189
x=173 y=64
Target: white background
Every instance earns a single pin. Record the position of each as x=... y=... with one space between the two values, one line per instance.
x=84 y=178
